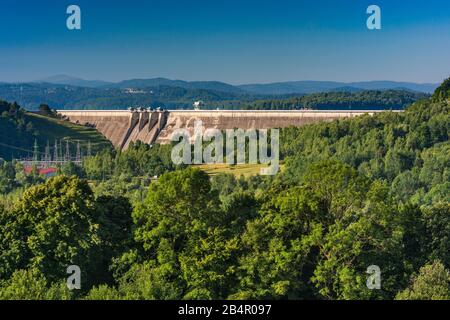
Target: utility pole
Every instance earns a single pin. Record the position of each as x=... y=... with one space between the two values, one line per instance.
x=78 y=155
x=47 y=157
x=55 y=152
x=61 y=152
x=67 y=155
x=89 y=150
x=35 y=151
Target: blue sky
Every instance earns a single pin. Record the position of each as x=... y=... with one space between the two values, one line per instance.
x=236 y=41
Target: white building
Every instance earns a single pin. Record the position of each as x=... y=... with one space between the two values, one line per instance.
x=198 y=104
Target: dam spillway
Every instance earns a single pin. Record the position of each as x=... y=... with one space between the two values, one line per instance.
x=122 y=127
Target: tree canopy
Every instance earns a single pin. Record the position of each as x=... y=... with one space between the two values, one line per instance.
x=354 y=195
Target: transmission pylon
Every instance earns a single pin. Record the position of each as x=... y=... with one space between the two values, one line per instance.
x=61 y=151
x=55 y=152
x=89 y=149
x=47 y=156
x=35 y=151
x=67 y=155
x=78 y=155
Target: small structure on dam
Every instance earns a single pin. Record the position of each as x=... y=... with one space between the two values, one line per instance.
x=122 y=127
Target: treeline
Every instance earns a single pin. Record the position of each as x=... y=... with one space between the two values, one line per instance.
x=20 y=130
x=15 y=125
x=15 y=129
x=354 y=193
x=195 y=239
x=31 y=96
x=409 y=150
x=362 y=100
x=109 y=170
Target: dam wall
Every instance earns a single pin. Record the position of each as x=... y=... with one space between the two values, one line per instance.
x=116 y=126
x=122 y=127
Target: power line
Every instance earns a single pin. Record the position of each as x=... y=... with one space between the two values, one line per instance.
x=16 y=148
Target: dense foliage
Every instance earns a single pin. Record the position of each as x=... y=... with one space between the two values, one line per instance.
x=31 y=96
x=15 y=129
x=354 y=193
x=20 y=130
x=363 y=100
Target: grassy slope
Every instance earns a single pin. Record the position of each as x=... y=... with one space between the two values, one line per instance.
x=19 y=143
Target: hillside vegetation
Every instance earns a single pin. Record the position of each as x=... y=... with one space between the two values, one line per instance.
x=363 y=100
x=353 y=194
x=20 y=129
x=214 y=95
x=443 y=92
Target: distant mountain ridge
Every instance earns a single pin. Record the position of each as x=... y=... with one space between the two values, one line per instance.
x=60 y=96
x=65 y=92
x=276 y=88
x=306 y=87
x=73 y=81
x=156 y=82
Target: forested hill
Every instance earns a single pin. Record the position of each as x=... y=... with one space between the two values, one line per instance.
x=358 y=194
x=20 y=129
x=31 y=95
x=443 y=92
x=409 y=150
x=363 y=100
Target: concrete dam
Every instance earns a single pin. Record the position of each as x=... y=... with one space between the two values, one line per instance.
x=122 y=127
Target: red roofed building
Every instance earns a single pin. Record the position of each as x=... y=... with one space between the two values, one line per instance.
x=48 y=172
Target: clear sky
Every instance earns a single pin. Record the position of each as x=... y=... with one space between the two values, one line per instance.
x=236 y=41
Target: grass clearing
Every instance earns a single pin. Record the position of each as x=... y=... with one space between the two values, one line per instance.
x=237 y=170
x=53 y=128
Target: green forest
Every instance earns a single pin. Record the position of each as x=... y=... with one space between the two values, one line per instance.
x=31 y=95
x=354 y=193
x=20 y=130
x=363 y=100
